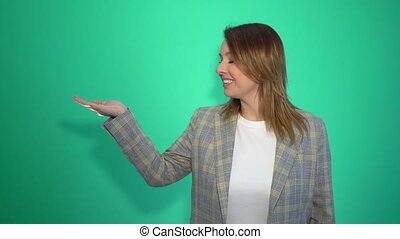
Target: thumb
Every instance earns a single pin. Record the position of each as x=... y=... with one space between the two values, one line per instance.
x=96 y=106
x=96 y=109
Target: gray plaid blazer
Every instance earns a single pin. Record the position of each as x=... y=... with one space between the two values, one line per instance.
x=301 y=190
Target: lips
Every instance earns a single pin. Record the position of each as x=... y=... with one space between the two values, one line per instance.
x=227 y=82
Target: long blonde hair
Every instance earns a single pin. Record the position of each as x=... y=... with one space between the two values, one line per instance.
x=258 y=52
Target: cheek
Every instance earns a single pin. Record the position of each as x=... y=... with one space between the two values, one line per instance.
x=235 y=72
x=240 y=77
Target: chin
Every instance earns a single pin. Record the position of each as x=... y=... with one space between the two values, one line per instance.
x=228 y=94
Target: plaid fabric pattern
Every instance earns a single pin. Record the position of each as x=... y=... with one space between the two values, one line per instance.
x=301 y=190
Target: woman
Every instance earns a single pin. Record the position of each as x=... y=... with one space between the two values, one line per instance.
x=256 y=159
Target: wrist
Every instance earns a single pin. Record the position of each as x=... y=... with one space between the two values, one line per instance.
x=120 y=112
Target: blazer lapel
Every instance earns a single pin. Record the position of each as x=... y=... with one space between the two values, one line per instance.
x=225 y=139
x=285 y=155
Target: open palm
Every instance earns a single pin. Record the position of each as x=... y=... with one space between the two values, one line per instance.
x=111 y=108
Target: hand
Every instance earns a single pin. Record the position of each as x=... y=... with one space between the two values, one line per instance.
x=111 y=108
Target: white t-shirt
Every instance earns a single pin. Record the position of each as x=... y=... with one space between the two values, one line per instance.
x=251 y=175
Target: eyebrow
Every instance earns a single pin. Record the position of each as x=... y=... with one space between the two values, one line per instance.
x=227 y=54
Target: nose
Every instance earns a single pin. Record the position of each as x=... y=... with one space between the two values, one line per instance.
x=221 y=69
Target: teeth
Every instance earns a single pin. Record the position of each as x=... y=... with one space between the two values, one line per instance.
x=228 y=81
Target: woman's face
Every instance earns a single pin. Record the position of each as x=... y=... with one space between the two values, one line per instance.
x=236 y=84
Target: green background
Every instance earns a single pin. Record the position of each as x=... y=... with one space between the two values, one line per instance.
x=159 y=58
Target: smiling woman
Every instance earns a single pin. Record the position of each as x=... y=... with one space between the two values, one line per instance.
x=236 y=84
x=255 y=159
x=260 y=91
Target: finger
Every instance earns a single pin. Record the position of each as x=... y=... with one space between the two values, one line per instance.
x=81 y=101
x=96 y=106
x=98 y=102
x=90 y=108
x=86 y=103
x=99 y=114
x=95 y=111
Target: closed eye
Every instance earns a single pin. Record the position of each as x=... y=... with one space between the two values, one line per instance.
x=221 y=59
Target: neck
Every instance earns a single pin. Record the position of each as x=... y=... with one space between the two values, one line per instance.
x=250 y=111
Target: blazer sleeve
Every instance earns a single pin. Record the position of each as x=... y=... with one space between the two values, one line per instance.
x=322 y=209
x=157 y=169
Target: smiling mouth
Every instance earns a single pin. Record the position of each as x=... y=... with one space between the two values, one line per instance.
x=227 y=81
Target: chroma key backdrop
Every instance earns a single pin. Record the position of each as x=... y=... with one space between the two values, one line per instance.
x=158 y=57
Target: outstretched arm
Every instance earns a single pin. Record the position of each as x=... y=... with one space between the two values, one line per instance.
x=157 y=169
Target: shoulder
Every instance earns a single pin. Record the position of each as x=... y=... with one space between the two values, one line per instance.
x=209 y=112
x=316 y=128
x=205 y=117
x=311 y=119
